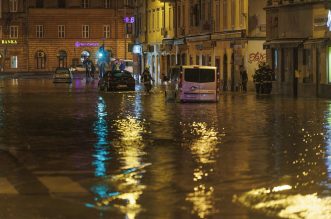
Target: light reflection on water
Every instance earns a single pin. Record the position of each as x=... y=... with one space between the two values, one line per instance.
x=126 y=185
x=101 y=153
x=276 y=202
x=309 y=194
x=203 y=148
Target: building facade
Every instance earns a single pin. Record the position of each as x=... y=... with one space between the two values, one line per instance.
x=155 y=24
x=298 y=45
x=59 y=33
x=221 y=33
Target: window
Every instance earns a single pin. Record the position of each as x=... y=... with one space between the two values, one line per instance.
x=149 y=23
x=202 y=11
x=39 y=3
x=199 y=75
x=85 y=4
x=86 y=31
x=13 y=62
x=61 y=3
x=40 y=59
x=217 y=17
x=39 y=31
x=61 y=31
x=13 y=5
x=225 y=14
x=13 y=32
x=308 y=74
x=107 y=3
x=153 y=20
x=179 y=17
x=62 y=58
x=233 y=13
x=242 y=12
x=171 y=13
x=106 y=31
x=158 y=19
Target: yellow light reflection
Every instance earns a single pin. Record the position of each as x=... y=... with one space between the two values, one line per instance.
x=129 y=146
x=276 y=202
x=203 y=148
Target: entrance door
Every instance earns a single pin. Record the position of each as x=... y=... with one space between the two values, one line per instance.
x=232 y=73
x=218 y=65
x=295 y=68
x=225 y=72
x=318 y=73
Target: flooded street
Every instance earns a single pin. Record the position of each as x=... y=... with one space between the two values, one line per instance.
x=69 y=151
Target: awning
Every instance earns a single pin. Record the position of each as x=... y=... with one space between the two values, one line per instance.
x=179 y=41
x=316 y=41
x=168 y=42
x=286 y=43
x=198 y=38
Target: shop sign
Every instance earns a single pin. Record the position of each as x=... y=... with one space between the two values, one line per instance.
x=87 y=44
x=129 y=20
x=6 y=42
x=136 y=49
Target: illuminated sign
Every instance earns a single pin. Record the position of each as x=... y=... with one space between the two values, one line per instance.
x=129 y=20
x=86 y=44
x=8 y=41
x=136 y=49
x=328 y=23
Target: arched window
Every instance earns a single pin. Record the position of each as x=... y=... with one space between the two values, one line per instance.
x=41 y=59
x=62 y=57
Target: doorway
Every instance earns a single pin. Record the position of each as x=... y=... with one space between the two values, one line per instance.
x=225 y=72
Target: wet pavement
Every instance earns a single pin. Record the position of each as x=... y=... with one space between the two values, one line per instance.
x=69 y=151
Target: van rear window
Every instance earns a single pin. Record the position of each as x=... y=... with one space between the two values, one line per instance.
x=199 y=75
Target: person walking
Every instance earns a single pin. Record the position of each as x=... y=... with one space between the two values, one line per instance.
x=244 y=78
x=147 y=79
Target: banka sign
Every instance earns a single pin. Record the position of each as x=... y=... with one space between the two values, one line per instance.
x=6 y=42
x=86 y=44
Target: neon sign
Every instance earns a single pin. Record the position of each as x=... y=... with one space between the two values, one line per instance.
x=8 y=42
x=86 y=44
x=129 y=20
x=328 y=23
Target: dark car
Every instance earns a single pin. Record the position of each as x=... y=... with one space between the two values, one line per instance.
x=117 y=80
x=62 y=75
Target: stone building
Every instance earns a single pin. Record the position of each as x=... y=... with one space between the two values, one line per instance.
x=298 y=45
x=52 y=34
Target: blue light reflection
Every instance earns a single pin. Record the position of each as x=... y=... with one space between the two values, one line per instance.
x=102 y=146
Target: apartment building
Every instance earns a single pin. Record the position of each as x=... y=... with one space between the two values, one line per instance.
x=221 y=33
x=298 y=45
x=155 y=25
x=13 y=35
x=62 y=32
x=40 y=35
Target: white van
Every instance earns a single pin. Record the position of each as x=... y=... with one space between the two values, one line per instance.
x=198 y=83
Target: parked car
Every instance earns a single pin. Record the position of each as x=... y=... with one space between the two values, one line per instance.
x=117 y=80
x=62 y=75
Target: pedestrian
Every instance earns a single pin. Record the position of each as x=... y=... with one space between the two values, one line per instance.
x=147 y=79
x=244 y=78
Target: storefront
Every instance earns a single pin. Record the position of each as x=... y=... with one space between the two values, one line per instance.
x=12 y=56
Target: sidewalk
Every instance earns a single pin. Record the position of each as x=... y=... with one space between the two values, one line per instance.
x=34 y=75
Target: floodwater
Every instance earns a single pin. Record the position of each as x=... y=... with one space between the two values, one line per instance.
x=69 y=151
